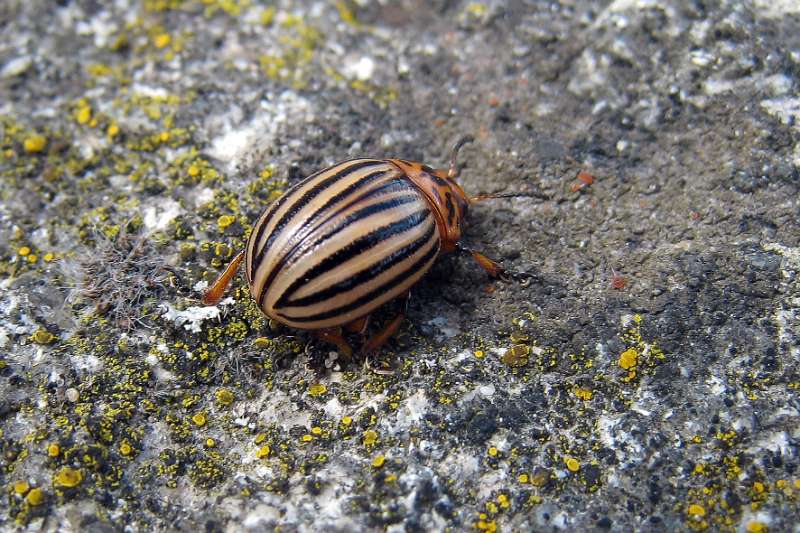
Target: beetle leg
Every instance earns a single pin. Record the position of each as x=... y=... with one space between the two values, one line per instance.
x=378 y=371
x=358 y=326
x=334 y=336
x=214 y=294
x=494 y=269
x=379 y=339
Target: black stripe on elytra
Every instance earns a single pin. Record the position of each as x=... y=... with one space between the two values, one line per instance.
x=284 y=258
x=352 y=188
x=259 y=231
x=386 y=188
x=373 y=294
x=358 y=246
x=350 y=219
x=301 y=202
x=366 y=275
x=251 y=268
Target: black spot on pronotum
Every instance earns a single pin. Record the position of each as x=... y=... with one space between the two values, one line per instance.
x=451 y=209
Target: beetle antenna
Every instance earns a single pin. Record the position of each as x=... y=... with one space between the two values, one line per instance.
x=482 y=197
x=453 y=172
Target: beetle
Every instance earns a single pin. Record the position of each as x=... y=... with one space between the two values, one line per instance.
x=350 y=238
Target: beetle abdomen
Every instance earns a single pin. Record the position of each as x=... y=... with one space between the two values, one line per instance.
x=340 y=244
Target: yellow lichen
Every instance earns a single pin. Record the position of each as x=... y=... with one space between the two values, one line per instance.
x=346 y=14
x=53 y=449
x=125 y=448
x=517 y=355
x=370 y=438
x=573 y=465
x=484 y=524
x=98 y=70
x=479 y=354
x=696 y=510
x=754 y=526
x=262 y=342
x=492 y=451
x=267 y=173
x=21 y=487
x=49 y=257
x=113 y=130
x=346 y=421
x=210 y=443
x=35 y=497
x=162 y=40
x=629 y=358
x=583 y=394
x=477 y=9
x=523 y=478
x=199 y=419
x=263 y=452
x=42 y=336
x=268 y=15
x=318 y=389
x=503 y=501
x=224 y=397
x=23 y=251
x=378 y=461
x=83 y=115
x=34 y=143
x=68 y=477
x=306 y=438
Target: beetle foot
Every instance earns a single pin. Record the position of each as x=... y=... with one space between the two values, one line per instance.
x=382 y=371
x=523 y=278
x=334 y=336
x=494 y=269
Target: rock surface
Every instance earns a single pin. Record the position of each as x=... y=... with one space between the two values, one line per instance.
x=648 y=380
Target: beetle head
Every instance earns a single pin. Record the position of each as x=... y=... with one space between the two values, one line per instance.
x=447 y=199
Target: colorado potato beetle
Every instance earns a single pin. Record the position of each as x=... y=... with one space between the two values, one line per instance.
x=350 y=238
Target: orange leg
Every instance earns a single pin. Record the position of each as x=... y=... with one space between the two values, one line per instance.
x=334 y=336
x=358 y=326
x=494 y=269
x=214 y=294
x=379 y=339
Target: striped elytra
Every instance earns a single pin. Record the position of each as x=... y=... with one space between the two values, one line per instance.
x=350 y=238
x=340 y=244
